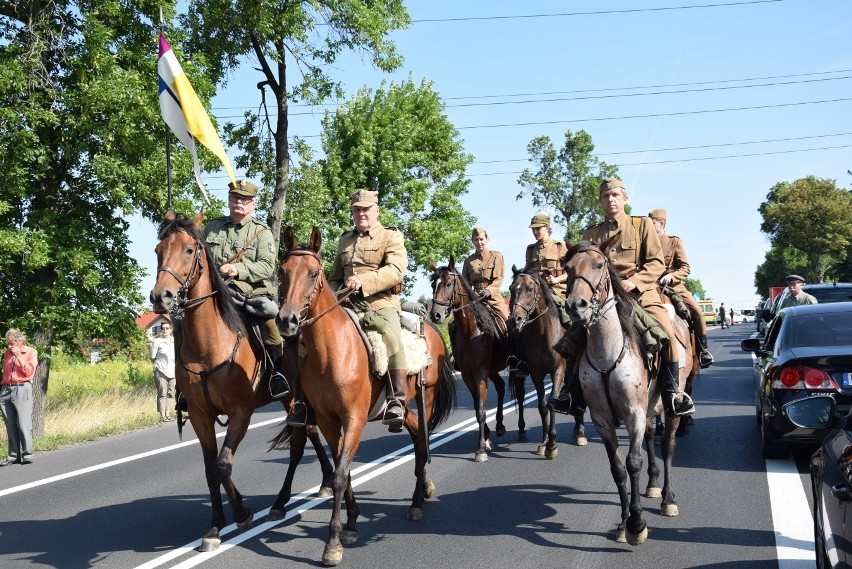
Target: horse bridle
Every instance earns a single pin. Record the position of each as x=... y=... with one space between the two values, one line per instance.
x=182 y=300
x=457 y=286
x=303 y=319
x=600 y=291
x=528 y=310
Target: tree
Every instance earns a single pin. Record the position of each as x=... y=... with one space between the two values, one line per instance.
x=811 y=215
x=780 y=262
x=567 y=181
x=398 y=141
x=78 y=151
x=302 y=37
x=693 y=286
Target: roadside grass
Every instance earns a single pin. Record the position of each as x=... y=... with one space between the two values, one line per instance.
x=85 y=402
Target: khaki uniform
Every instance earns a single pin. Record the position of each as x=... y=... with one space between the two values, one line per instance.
x=546 y=255
x=638 y=257
x=379 y=258
x=225 y=238
x=485 y=272
x=677 y=266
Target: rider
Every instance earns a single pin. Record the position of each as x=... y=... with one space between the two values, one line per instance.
x=484 y=271
x=638 y=257
x=371 y=261
x=544 y=258
x=677 y=269
x=243 y=249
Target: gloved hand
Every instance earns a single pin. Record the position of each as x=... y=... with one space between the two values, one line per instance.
x=485 y=294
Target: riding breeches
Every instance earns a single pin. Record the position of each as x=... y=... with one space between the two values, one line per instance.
x=699 y=326
x=270 y=333
x=653 y=305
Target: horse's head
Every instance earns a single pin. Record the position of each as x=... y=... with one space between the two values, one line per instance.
x=179 y=261
x=589 y=280
x=525 y=299
x=301 y=278
x=446 y=291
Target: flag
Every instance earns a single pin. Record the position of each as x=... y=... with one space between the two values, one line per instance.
x=184 y=114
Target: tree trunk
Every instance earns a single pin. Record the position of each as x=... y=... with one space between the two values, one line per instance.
x=43 y=341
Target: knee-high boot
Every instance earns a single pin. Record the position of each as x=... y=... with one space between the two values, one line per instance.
x=395 y=410
x=278 y=385
x=673 y=402
x=705 y=358
x=563 y=401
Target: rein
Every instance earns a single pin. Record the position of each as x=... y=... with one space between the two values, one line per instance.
x=456 y=292
x=318 y=286
x=534 y=305
x=182 y=300
x=601 y=289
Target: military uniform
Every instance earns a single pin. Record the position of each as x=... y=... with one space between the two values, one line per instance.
x=484 y=271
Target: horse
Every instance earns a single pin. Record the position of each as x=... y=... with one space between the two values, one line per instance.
x=338 y=382
x=616 y=383
x=534 y=319
x=219 y=372
x=479 y=351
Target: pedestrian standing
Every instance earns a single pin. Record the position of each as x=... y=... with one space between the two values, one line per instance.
x=162 y=354
x=16 y=397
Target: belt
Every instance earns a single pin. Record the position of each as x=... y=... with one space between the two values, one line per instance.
x=16 y=383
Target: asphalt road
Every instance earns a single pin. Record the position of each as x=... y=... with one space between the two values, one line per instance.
x=140 y=500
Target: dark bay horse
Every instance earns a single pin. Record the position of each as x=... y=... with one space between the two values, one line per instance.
x=479 y=351
x=218 y=370
x=616 y=382
x=342 y=389
x=533 y=317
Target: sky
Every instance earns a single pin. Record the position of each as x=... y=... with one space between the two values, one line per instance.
x=703 y=105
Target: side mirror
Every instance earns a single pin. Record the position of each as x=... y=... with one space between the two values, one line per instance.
x=815 y=412
x=750 y=345
x=762 y=314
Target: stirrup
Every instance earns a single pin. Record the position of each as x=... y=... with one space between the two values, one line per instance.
x=705 y=359
x=394 y=414
x=684 y=407
x=561 y=403
x=279 y=387
x=299 y=416
x=516 y=365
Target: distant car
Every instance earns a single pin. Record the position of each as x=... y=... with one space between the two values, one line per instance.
x=743 y=316
x=807 y=351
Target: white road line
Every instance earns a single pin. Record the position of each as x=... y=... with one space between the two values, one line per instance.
x=791 y=516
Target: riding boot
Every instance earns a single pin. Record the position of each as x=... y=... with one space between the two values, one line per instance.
x=298 y=415
x=395 y=410
x=278 y=385
x=673 y=402
x=563 y=402
x=705 y=358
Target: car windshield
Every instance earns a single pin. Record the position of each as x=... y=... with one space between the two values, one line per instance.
x=811 y=330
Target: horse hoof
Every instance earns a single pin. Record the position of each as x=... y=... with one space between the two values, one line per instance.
x=246 y=523
x=621 y=536
x=275 y=515
x=581 y=441
x=210 y=542
x=653 y=492
x=332 y=557
x=522 y=435
x=487 y=445
x=639 y=538
x=501 y=430
x=414 y=514
x=348 y=537
x=551 y=454
x=540 y=450
x=325 y=492
x=670 y=510
x=429 y=489
x=480 y=457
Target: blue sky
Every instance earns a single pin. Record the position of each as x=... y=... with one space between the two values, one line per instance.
x=759 y=90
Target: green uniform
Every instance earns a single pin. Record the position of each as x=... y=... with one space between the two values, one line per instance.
x=225 y=239
x=379 y=258
x=799 y=300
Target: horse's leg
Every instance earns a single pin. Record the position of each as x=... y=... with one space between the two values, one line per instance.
x=637 y=528
x=415 y=510
x=342 y=485
x=519 y=387
x=326 y=467
x=653 y=489
x=669 y=506
x=479 y=392
x=237 y=427
x=545 y=447
x=579 y=416
x=298 y=440
x=619 y=474
x=202 y=424
x=500 y=388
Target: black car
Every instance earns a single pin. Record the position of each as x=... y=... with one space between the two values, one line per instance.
x=823 y=292
x=807 y=351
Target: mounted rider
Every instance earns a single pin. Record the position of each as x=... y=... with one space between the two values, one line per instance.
x=483 y=270
x=676 y=271
x=243 y=249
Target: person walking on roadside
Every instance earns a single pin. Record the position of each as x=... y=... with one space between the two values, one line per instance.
x=723 y=316
x=16 y=397
x=162 y=354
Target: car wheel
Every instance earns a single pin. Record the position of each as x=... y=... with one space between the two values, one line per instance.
x=769 y=445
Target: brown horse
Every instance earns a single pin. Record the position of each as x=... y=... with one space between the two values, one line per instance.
x=218 y=370
x=342 y=389
x=479 y=351
x=616 y=383
x=534 y=319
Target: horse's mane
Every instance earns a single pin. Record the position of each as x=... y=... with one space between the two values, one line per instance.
x=481 y=312
x=623 y=300
x=227 y=308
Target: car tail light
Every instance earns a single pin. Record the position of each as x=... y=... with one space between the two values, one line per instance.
x=803 y=377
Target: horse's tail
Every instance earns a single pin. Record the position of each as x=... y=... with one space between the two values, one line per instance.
x=444 y=402
x=282 y=439
x=515 y=381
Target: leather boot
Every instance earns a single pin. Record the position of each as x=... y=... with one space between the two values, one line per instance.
x=705 y=358
x=395 y=410
x=563 y=402
x=673 y=402
x=298 y=416
x=278 y=385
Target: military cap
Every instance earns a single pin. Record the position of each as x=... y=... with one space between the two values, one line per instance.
x=794 y=278
x=478 y=232
x=540 y=220
x=658 y=215
x=611 y=183
x=364 y=198
x=243 y=188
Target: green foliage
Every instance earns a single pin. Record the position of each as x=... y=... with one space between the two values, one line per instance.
x=780 y=262
x=566 y=181
x=694 y=285
x=811 y=215
x=398 y=141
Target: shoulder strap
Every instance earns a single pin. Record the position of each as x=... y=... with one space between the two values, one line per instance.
x=239 y=254
x=636 y=222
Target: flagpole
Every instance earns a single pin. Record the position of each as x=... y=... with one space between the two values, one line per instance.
x=168 y=171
